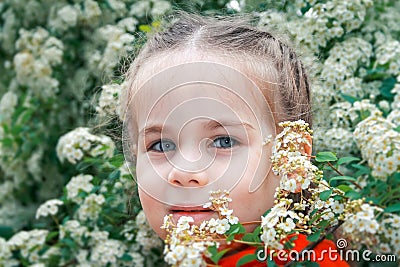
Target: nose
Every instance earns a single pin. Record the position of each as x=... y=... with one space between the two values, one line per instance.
x=187 y=179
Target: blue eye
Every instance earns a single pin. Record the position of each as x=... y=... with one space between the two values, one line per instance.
x=225 y=142
x=163 y=146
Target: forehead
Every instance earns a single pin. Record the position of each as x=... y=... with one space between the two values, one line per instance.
x=196 y=83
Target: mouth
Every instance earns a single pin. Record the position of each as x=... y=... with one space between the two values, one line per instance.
x=188 y=209
x=199 y=214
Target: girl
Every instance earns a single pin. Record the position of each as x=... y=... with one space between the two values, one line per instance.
x=204 y=97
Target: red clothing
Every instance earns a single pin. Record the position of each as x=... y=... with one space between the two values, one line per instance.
x=323 y=258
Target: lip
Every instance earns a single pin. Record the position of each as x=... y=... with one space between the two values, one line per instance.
x=199 y=214
x=188 y=209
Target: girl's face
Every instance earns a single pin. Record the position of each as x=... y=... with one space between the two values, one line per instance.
x=201 y=127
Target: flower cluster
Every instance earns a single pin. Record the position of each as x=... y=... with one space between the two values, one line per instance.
x=108 y=100
x=289 y=158
x=318 y=206
x=145 y=236
x=379 y=143
x=91 y=207
x=77 y=144
x=78 y=184
x=363 y=228
x=28 y=243
x=50 y=207
x=186 y=242
x=39 y=52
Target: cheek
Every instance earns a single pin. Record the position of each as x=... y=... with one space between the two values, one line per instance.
x=249 y=206
x=154 y=211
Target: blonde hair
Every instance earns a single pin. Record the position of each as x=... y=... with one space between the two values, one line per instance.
x=268 y=58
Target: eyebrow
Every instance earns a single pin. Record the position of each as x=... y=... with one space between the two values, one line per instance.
x=151 y=129
x=211 y=125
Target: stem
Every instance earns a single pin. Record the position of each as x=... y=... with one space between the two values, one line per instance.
x=55 y=220
x=251 y=222
x=313 y=245
x=339 y=172
x=342 y=174
x=247 y=242
x=336 y=170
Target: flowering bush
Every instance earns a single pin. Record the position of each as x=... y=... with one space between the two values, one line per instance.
x=305 y=203
x=57 y=55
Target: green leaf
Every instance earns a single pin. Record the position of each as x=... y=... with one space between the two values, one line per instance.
x=349 y=98
x=325 y=194
x=271 y=263
x=69 y=242
x=323 y=224
x=344 y=188
x=347 y=160
x=342 y=178
x=337 y=197
x=248 y=237
x=361 y=169
x=144 y=28
x=266 y=213
x=25 y=116
x=236 y=229
x=6 y=232
x=257 y=231
x=230 y=237
x=51 y=235
x=397 y=129
x=314 y=237
x=387 y=86
x=325 y=156
x=393 y=208
x=314 y=218
x=216 y=257
x=330 y=236
x=7 y=142
x=353 y=194
x=114 y=175
x=126 y=257
x=246 y=259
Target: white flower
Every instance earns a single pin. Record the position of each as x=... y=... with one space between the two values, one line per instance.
x=337 y=207
x=77 y=184
x=91 y=207
x=225 y=211
x=372 y=226
x=49 y=207
x=290 y=185
x=69 y=15
x=288 y=225
x=207 y=205
x=192 y=262
x=269 y=221
x=222 y=226
x=77 y=143
x=268 y=236
x=184 y=223
x=180 y=252
x=233 y=219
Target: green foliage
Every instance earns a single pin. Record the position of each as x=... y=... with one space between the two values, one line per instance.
x=57 y=60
